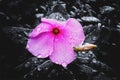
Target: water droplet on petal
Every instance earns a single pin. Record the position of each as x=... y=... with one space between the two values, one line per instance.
x=38 y=29
x=56 y=62
x=64 y=64
x=46 y=55
x=27 y=46
x=39 y=56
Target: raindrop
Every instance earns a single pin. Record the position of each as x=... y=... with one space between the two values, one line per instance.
x=39 y=69
x=56 y=17
x=103 y=26
x=94 y=71
x=35 y=62
x=94 y=38
x=39 y=56
x=39 y=15
x=56 y=62
x=94 y=61
x=38 y=29
x=64 y=64
x=27 y=46
x=83 y=52
x=46 y=55
x=19 y=35
x=46 y=68
x=36 y=9
x=99 y=24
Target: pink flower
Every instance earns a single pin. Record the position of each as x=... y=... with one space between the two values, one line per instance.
x=56 y=39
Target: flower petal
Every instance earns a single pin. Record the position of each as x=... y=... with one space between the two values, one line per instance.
x=74 y=32
x=63 y=53
x=41 y=46
x=42 y=27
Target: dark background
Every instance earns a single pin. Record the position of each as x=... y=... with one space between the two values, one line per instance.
x=23 y=13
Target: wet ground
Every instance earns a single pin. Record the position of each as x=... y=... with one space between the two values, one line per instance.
x=101 y=23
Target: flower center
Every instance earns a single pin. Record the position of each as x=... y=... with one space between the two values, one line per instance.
x=56 y=31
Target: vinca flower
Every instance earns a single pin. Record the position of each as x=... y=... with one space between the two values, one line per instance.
x=56 y=39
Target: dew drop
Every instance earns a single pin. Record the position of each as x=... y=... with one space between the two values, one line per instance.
x=56 y=62
x=19 y=35
x=39 y=56
x=39 y=69
x=64 y=64
x=83 y=52
x=36 y=9
x=38 y=29
x=35 y=62
x=94 y=38
x=99 y=24
x=46 y=55
x=27 y=46
x=94 y=61
x=56 y=17
x=46 y=68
